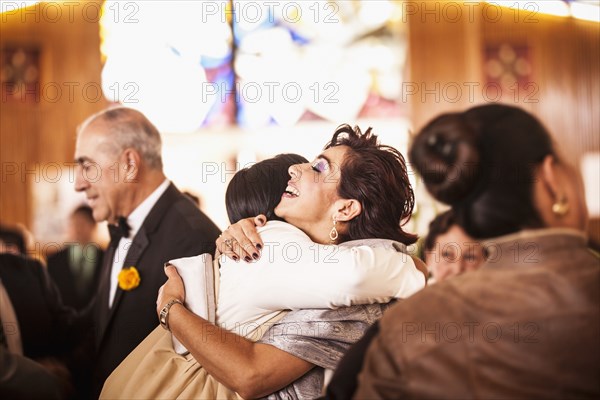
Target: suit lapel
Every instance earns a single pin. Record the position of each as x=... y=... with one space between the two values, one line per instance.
x=139 y=244
x=101 y=307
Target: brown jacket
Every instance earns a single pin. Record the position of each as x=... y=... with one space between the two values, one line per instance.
x=526 y=325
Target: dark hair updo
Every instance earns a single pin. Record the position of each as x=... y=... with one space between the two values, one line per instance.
x=376 y=176
x=257 y=189
x=482 y=162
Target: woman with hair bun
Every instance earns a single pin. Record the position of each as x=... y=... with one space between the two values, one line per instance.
x=527 y=323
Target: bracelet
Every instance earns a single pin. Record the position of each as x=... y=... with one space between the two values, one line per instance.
x=163 y=316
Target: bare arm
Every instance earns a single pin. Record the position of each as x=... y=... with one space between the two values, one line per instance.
x=251 y=369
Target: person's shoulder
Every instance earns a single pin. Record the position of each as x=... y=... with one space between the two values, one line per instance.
x=436 y=299
x=17 y=259
x=19 y=263
x=186 y=215
x=276 y=228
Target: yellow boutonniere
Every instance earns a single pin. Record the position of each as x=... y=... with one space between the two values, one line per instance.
x=129 y=278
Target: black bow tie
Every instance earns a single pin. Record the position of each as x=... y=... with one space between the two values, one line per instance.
x=121 y=230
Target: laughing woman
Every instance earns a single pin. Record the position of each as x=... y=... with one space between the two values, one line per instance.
x=342 y=197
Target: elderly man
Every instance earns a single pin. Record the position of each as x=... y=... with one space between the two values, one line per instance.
x=118 y=152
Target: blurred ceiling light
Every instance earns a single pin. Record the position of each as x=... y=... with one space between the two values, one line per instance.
x=159 y=71
x=552 y=7
x=587 y=10
x=271 y=85
x=340 y=92
x=171 y=91
x=580 y=9
x=374 y=14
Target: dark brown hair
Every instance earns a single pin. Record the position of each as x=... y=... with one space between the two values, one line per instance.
x=377 y=177
x=482 y=162
x=440 y=225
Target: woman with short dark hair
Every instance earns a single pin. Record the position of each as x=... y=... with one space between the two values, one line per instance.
x=284 y=359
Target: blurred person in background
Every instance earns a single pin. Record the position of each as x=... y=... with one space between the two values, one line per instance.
x=23 y=379
x=449 y=251
x=76 y=268
x=12 y=241
x=36 y=325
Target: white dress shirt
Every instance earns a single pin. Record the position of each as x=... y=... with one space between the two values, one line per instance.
x=135 y=221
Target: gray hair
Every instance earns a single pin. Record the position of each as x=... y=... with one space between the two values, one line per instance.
x=129 y=128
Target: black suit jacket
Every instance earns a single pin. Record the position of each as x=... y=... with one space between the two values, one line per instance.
x=174 y=228
x=59 y=268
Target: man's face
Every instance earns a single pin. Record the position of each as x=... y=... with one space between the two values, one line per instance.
x=99 y=173
x=455 y=254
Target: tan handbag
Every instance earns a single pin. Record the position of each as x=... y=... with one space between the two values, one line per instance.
x=153 y=370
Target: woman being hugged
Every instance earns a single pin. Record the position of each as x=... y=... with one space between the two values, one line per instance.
x=355 y=187
x=338 y=201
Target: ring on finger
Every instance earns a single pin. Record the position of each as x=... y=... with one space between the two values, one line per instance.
x=228 y=242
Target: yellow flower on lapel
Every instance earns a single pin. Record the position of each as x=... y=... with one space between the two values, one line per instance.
x=129 y=278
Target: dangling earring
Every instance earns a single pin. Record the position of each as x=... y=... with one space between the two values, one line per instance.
x=561 y=207
x=333 y=234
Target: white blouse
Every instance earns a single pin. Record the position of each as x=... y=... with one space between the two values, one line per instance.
x=295 y=273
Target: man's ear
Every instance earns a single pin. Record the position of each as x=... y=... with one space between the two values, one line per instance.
x=132 y=161
x=347 y=209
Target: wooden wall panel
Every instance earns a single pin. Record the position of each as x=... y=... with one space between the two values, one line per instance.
x=443 y=52
x=565 y=56
x=566 y=68
x=35 y=134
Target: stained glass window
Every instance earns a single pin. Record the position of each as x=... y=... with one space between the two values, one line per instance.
x=192 y=64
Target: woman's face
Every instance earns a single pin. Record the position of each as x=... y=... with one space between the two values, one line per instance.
x=308 y=202
x=454 y=253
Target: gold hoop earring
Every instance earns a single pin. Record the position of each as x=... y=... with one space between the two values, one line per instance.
x=561 y=207
x=333 y=234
